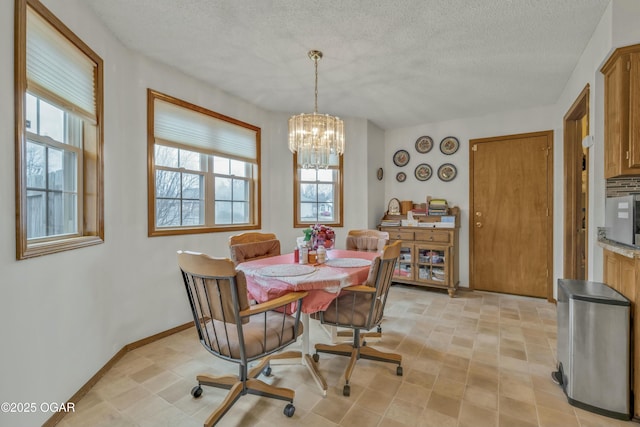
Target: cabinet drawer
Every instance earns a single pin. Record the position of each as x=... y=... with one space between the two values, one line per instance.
x=400 y=235
x=433 y=236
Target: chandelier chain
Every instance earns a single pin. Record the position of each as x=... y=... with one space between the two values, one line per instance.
x=315 y=108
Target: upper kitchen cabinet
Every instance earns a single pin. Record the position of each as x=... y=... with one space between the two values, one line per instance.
x=622 y=112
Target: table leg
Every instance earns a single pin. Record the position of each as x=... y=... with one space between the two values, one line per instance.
x=305 y=357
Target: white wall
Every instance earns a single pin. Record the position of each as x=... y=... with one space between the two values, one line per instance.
x=456 y=191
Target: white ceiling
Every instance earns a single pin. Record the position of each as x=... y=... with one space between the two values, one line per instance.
x=397 y=63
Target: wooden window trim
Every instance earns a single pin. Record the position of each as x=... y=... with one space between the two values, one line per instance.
x=255 y=190
x=296 y=197
x=92 y=219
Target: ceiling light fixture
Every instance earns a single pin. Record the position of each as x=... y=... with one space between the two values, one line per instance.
x=317 y=138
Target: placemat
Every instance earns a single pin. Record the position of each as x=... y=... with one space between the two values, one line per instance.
x=285 y=270
x=348 y=262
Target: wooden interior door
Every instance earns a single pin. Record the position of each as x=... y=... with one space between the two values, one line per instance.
x=576 y=189
x=511 y=227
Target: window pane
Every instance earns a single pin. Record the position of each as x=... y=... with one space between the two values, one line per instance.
x=240 y=190
x=54 y=170
x=240 y=212
x=166 y=156
x=223 y=189
x=36 y=214
x=51 y=121
x=308 y=212
x=190 y=160
x=325 y=212
x=238 y=168
x=61 y=213
x=167 y=213
x=192 y=214
x=70 y=170
x=167 y=184
x=308 y=192
x=32 y=113
x=191 y=186
x=308 y=174
x=325 y=175
x=223 y=212
x=220 y=165
x=36 y=155
x=325 y=192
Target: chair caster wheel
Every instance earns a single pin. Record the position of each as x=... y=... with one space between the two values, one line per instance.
x=316 y=357
x=346 y=391
x=267 y=371
x=196 y=391
x=399 y=371
x=379 y=329
x=289 y=410
x=364 y=343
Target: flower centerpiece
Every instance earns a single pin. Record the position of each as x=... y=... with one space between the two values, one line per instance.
x=322 y=235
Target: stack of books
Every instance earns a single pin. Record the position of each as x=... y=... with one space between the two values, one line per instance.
x=438 y=207
x=390 y=222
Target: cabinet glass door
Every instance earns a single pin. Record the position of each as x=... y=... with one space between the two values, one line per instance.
x=403 y=267
x=431 y=264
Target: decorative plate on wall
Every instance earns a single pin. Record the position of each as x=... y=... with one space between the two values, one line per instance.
x=423 y=172
x=424 y=144
x=447 y=172
x=380 y=174
x=401 y=158
x=449 y=145
x=401 y=177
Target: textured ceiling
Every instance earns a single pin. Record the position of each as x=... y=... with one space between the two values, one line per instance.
x=397 y=63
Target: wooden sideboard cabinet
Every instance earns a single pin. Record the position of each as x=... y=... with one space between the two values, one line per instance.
x=621 y=272
x=429 y=255
x=622 y=112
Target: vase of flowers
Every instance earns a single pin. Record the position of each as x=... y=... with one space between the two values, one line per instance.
x=322 y=235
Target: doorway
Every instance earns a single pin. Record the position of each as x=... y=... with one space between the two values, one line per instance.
x=510 y=221
x=576 y=188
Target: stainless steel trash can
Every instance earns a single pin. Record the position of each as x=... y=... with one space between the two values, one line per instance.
x=594 y=358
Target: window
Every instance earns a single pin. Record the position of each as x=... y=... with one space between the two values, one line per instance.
x=204 y=170
x=318 y=195
x=59 y=195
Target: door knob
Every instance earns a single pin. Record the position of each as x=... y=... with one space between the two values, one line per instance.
x=479 y=224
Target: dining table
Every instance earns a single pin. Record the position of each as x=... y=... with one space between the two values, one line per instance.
x=271 y=277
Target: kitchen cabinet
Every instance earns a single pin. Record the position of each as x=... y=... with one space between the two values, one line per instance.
x=622 y=112
x=621 y=272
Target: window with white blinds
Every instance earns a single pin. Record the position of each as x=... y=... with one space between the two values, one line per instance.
x=59 y=174
x=203 y=169
x=204 y=132
x=59 y=70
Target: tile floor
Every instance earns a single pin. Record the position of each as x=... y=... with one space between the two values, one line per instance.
x=479 y=359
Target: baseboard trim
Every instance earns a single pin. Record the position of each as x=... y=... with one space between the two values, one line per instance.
x=58 y=416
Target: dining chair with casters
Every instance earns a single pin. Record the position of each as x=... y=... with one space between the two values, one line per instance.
x=366 y=240
x=253 y=245
x=361 y=308
x=231 y=329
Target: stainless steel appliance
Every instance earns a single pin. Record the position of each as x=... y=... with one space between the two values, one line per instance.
x=622 y=219
x=594 y=361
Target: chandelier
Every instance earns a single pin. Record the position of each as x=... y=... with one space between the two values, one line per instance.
x=317 y=138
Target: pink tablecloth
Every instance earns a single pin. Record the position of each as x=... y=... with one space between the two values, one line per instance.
x=323 y=284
